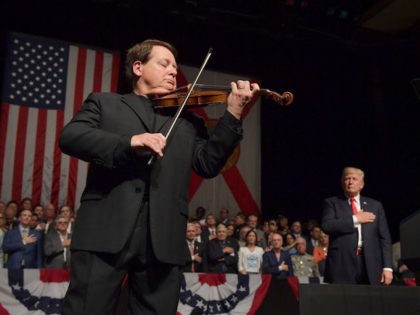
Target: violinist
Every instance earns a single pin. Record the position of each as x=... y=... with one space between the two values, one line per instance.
x=117 y=134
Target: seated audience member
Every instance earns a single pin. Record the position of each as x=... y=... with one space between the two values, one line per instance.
x=313 y=239
x=242 y=234
x=296 y=229
x=239 y=223
x=250 y=255
x=198 y=231
x=57 y=244
x=68 y=213
x=290 y=245
x=209 y=231
x=10 y=213
x=269 y=245
x=321 y=251
x=50 y=214
x=195 y=252
x=23 y=244
x=224 y=216
x=26 y=204
x=304 y=265
x=276 y=261
x=252 y=222
x=222 y=254
x=200 y=213
x=230 y=230
x=283 y=224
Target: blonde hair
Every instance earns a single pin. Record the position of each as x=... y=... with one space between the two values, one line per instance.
x=350 y=169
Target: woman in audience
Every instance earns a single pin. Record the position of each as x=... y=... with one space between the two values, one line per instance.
x=250 y=255
x=320 y=252
x=290 y=246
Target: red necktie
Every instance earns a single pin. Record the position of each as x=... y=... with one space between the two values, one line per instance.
x=353 y=205
x=191 y=245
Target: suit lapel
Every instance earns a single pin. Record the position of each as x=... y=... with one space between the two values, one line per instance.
x=132 y=100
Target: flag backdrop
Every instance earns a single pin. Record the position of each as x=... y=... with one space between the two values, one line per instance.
x=45 y=82
x=237 y=188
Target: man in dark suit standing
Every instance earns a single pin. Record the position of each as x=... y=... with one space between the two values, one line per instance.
x=222 y=252
x=23 y=244
x=195 y=252
x=360 y=249
x=118 y=134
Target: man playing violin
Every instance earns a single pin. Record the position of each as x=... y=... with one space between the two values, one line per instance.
x=117 y=134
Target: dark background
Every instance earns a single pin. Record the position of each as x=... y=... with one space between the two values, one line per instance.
x=354 y=103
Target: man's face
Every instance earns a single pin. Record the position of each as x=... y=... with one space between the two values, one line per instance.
x=158 y=74
x=50 y=211
x=252 y=221
x=296 y=227
x=301 y=246
x=276 y=241
x=190 y=232
x=197 y=229
x=352 y=183
x=221 y=234
x=243 y=232
x=224 y=213
x=66 y=212
x=316 y=233
x=39 y=211
x=62 y=224
x=210 y=221
x=25 y=217
x=34 y=221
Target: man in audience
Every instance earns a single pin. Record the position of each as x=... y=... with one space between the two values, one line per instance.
x=304 y=265
x=57 y=244
x=360 y=242
x=313 y=239
x=195 y=252
x=276 y=261
x=10 y=213
x=224 y=216
x=209 y=232
x=50 y=214
x=242 y=235
x=296 y=229
x=222 y=253
x=240 y=221
x=23 y=244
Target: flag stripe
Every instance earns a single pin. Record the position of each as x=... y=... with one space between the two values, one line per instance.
x=4 y=115
x=97 y=78
x=241 y=191
x=29 y=152
x=39 y=156
x=19 y=153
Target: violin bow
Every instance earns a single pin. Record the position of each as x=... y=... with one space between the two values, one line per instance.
x=181 y=108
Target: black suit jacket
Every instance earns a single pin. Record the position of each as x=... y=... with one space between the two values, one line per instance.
x=271 y=264
x=337 y=221
x=219 y=262
x=200 y=249
x=100 y=133
x=54 y=251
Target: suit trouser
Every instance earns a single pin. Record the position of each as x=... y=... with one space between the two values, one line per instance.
x=96 y=278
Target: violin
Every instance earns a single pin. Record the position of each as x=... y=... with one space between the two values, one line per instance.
x=204 y=95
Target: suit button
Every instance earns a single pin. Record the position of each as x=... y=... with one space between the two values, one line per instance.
x=138 y=190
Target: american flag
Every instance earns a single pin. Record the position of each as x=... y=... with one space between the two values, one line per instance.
x=45 y=82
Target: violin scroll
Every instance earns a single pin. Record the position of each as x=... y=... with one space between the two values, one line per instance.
x=285 y=99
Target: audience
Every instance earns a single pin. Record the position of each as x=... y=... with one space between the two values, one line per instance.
x=290 y=245
x=2 y=232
